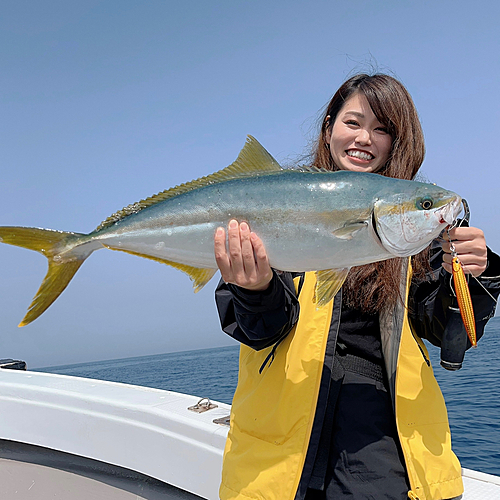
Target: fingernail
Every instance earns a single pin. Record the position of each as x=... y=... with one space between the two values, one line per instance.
x=220 y=231
x=233 y=224
x=244 y=226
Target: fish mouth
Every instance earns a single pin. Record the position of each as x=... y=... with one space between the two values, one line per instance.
x=449 y=213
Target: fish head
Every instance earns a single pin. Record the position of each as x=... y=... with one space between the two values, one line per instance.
x=406 y=221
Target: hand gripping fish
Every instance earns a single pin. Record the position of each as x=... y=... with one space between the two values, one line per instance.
x=308 y=220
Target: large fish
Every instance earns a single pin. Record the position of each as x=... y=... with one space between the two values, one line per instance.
x=308 y=219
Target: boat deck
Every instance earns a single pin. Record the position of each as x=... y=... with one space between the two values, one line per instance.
x=30 y=472
x=76 y=438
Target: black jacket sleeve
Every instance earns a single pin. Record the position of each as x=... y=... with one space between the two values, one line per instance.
x=431 y=302
x=258 y=319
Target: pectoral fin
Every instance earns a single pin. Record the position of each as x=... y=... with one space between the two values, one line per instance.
x=328 y=283
x=348 y=230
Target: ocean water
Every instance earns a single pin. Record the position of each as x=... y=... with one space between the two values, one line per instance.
x=472 y=394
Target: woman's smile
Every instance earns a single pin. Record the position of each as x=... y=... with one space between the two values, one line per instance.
x=357 y=140
x=359 y=154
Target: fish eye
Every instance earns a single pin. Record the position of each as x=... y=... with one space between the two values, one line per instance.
x=426 y=203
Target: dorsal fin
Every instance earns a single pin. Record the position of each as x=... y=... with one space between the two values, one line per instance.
x=252 y=160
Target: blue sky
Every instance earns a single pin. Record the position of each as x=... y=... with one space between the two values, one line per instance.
x=106 y=102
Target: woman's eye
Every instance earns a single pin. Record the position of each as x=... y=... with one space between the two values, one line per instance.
x=384 y=130
x=352 y=122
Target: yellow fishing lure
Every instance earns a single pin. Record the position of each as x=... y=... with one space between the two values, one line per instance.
x=462 y=287
x=463 y=297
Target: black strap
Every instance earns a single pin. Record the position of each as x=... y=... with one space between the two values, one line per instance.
x=361 y=366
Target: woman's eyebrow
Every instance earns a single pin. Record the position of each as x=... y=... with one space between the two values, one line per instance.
x=355 y=113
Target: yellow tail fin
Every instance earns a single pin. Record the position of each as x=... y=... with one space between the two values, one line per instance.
x=61 y=268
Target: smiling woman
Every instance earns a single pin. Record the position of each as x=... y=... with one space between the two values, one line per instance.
x=357 y=140
x=388 y=112
x=368 y=420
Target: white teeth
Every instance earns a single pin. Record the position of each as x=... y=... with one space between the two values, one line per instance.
x=361 y=155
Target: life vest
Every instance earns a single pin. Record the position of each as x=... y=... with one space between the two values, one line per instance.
x=273 y=411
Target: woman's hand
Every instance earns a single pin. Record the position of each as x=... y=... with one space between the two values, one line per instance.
x=470 y=246
x=244 y=262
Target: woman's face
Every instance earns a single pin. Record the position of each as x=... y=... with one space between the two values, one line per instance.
x=357 y=140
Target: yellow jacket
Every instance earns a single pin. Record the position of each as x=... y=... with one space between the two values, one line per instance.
x=273 y=411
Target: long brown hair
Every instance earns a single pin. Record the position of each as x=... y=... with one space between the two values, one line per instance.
x=372 y=286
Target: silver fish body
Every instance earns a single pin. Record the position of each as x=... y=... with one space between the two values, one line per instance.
x=309 y=220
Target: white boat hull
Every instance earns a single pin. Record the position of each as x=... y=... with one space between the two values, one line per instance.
x=79 y=438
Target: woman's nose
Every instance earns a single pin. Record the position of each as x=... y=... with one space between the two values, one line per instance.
x=363 y=137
